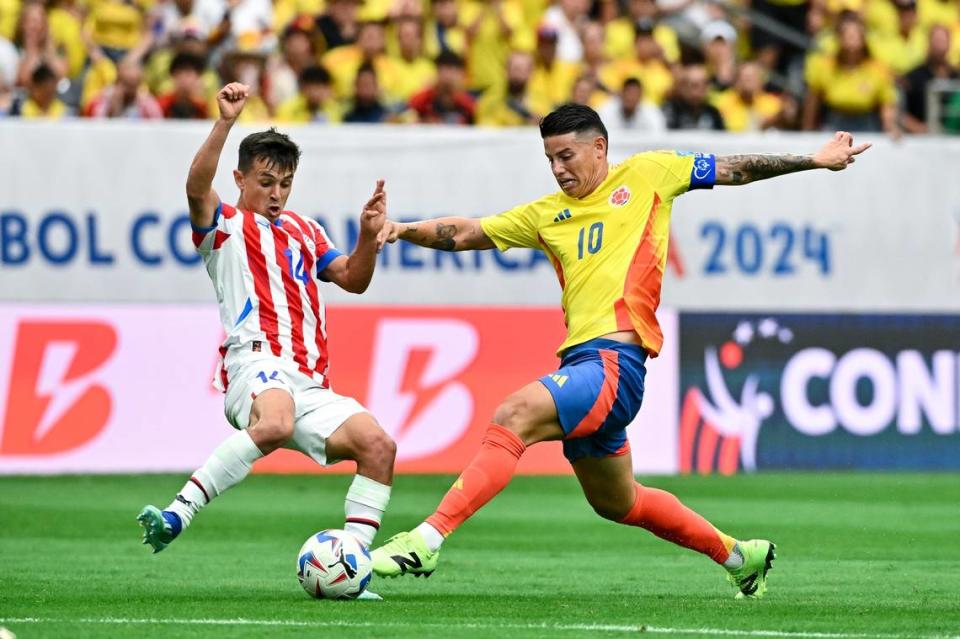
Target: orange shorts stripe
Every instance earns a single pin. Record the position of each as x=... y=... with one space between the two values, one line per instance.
x=605 y=400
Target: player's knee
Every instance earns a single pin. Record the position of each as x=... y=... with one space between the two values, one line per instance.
x=515 y=414
x=608 y=508
x=377 y=449
x=273 y=431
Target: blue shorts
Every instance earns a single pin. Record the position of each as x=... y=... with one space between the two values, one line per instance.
x=597 y=390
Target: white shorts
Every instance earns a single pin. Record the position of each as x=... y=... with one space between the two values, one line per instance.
x=318 y=412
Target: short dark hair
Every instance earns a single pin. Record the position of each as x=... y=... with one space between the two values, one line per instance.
x=188 y=61
x=572 y=118
x=43 y=73
x=276 y=148
x=366 y=67
x=632 y=82
x=448 y=58
x=315 y=74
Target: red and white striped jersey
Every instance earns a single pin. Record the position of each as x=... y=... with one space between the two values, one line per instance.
x=269 y=301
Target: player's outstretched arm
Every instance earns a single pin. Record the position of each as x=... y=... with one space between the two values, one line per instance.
x=354 y=273
x=442 y=233
x=203 y=200
x=835 y=155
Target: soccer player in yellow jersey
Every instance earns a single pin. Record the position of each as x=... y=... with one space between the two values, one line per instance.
x=606 y=234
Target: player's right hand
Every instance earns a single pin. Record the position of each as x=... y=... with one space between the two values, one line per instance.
x=389 y=234
x=231 y=100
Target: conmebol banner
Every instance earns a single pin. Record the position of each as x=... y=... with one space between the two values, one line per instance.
x=819 y=391
x=105 y=219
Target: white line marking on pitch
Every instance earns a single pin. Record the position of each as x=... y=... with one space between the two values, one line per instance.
x=717 y=632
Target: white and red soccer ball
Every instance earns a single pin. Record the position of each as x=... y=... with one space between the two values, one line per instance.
x=332 y=564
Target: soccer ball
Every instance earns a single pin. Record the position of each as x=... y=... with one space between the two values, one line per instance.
x=333 y=564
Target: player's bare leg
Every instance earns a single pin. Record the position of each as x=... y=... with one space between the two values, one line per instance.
x=611 y=490
x=271 y=426
x=523 y=419
x=362 y=440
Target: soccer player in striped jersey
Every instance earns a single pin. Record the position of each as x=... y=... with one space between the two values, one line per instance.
x=606 y=234
x=274 y=365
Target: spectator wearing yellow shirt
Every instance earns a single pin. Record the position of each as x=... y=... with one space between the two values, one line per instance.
x=65 y=29
x=907 y=46
x=552 y=80
x=512 y=105
x=938 y=12
x=9 y=13
x=344 y=62
x=315 y=102
x=116 y=26
x=443 y=30
x=647 y=65
x=493 y=28
x=35 y=45
x=412 y=70
x=622 y=32
x=746 y=106
x=849 y=90
x=41 y=100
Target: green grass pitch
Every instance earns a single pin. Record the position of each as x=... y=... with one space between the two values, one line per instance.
x=860 y=555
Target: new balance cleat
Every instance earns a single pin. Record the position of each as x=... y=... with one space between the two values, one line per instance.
x=160 y=527
x=406 y=553
x=751 y=578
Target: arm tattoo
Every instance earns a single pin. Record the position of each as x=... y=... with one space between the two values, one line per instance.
x=445 y=235
x=741 y=169
x=442 y=239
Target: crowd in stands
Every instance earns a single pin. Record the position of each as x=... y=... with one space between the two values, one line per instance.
x=652 y=65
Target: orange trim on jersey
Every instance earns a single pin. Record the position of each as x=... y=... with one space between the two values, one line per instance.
x=636 y=310
x=557 y=266
x=605 y=400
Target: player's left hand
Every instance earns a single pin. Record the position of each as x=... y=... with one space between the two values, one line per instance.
x=839 y=152
x=374 y=212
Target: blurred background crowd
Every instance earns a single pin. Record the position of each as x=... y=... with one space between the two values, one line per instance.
x=735 y=65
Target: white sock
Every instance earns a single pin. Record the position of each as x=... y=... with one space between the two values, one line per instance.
x=366 y=500
x=735 y=560
x=431 y=535
x=226 y=467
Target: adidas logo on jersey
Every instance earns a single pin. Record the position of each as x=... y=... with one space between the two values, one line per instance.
x=565 y=214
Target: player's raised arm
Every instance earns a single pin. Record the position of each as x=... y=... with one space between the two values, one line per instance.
x=201 y=197
x=835 y=155
x=354 y=273
x=442 y=233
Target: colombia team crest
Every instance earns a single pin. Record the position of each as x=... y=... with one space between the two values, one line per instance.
x=620 y=197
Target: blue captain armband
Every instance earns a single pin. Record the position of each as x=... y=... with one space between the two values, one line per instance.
x=703 y=175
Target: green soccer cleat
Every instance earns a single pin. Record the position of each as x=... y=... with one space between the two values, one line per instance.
x=160 y=527
x=405 y=553
x=751 y=578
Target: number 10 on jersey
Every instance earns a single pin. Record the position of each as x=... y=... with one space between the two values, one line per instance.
x=591 y=240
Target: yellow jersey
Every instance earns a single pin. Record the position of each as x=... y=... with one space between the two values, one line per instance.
x=609 y=249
